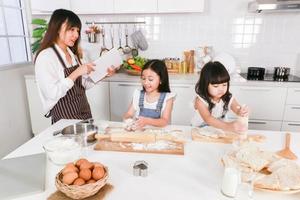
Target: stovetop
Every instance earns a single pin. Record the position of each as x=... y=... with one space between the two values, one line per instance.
x=269 y=77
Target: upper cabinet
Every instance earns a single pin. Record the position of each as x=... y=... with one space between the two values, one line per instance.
x=117 y=6
x=92 y=6
x=135 y=6
x=47 y=7
x=177 y=6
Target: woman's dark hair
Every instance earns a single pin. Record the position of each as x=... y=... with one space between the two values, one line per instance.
x=57 y=19
x=159 y=67
x=213 y=73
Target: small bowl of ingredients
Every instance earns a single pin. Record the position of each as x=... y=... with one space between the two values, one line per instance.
x=61 y=150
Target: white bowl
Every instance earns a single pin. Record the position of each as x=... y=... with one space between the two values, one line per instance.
x=62 y=150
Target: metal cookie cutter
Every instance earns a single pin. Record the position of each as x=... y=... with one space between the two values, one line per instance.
x=140 y=168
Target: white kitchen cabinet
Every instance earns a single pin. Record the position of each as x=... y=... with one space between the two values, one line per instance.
x=264 y=125
x=183 y=108
x=47 y=7
x=38 y=121
x=291 y=119
x=120 y=97
x=293 y=96
x=290 y=126
x=98 y=98
x=176 y=6
x=135 y=6
x=92 y=6
x=265 y=103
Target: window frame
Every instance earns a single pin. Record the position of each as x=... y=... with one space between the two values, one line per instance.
x=26 y=17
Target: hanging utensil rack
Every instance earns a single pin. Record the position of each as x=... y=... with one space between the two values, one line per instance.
x=95 y=22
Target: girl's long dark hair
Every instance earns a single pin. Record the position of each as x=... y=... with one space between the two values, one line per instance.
x=159 y=67
x=213 y=73
x=57 y=19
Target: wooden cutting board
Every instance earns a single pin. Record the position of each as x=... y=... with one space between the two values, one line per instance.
x=175 y=148
x=228 y=139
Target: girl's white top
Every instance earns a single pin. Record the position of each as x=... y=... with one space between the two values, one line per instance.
x=136 y=97
x=216 y=112
x=51 y=81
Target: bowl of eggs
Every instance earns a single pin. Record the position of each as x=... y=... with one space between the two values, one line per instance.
x=81 y=179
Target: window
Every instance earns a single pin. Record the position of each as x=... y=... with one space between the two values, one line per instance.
x=14 y=37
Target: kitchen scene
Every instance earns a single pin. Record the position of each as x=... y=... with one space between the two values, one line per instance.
x=150 y=99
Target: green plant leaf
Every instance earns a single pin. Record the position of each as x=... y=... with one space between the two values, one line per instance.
x=38 y=32
x=35 y=46
x=38 y=21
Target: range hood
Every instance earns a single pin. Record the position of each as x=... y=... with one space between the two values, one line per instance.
x=274 y=5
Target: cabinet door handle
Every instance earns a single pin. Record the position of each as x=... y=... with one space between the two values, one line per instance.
x=128 y=84
x=292 y=124
x=180 y=86
x=255 y=122
x=295 y=107
x=256 y=89
x=296 y=90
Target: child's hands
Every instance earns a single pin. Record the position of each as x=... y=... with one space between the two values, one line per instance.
x=140 y=123
x=243 y=111
x=238 y=126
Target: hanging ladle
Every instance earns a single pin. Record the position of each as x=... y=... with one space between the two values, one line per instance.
x=134 y=50
x=103 y=48
x=126 y=49
x=111 y=31
x=120 y=38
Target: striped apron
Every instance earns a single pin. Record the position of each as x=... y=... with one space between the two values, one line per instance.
x=74 y=105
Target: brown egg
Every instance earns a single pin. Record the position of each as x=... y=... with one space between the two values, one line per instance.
x=69 y=168
x=91 y=181
x=97 y=164
x=79 y=181
x=80 y=161
x=70 y=164
x=69 y=178
x=85 y=174
x=98 y=173
x=86 y=165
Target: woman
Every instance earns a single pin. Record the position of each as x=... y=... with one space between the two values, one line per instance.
x=60 y=75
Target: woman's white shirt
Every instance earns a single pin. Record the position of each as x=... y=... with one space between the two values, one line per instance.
x=152 y=105
x=49 y=73
x=216 y=112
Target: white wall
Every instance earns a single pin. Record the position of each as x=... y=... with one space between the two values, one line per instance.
x=14 y=113
x=263 y=40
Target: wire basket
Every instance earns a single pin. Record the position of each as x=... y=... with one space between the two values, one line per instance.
x=83 y=191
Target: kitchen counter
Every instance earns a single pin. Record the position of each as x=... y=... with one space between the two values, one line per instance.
x=236 y=79
x=196 y=175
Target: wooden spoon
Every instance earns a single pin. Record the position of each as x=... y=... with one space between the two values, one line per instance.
x=286 y=152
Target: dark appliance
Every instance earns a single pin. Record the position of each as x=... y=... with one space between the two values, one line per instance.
x=281 y=73
x=255 y=73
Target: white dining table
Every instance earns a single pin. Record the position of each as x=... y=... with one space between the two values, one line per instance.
x=196 y=175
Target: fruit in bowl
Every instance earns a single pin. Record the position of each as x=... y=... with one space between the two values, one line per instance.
x=134 y=65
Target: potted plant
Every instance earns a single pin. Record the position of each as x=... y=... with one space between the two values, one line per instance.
x=92 y=32
x=38 y=33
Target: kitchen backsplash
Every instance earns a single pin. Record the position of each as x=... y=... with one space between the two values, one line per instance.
x=253 y=39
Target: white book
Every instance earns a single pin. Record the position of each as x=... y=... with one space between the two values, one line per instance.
x=110 y=58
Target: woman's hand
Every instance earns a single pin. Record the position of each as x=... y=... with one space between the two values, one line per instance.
x=111 y=71
x=82 y=70
x=86 y=68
